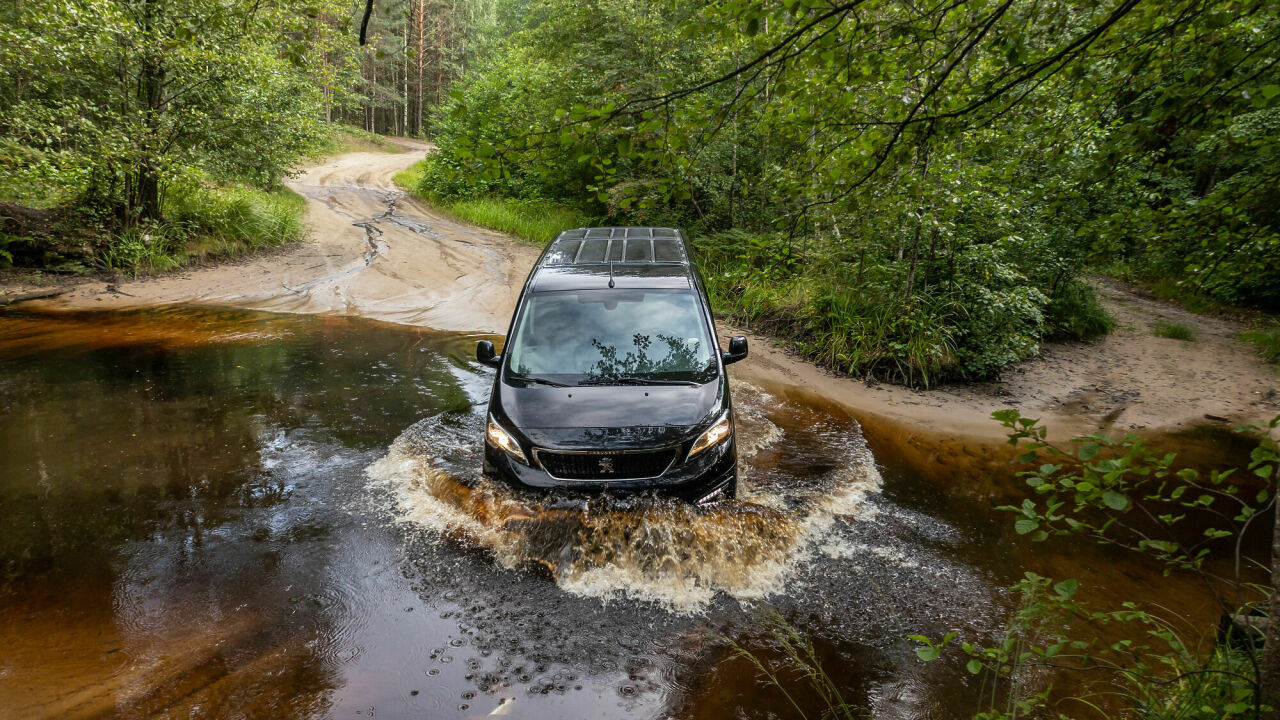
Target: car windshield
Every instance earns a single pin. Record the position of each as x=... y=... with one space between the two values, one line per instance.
x=582 y=337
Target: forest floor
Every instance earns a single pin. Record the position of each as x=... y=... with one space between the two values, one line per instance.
x=377 y=252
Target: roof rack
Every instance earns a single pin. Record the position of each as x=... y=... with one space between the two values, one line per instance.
x=617 y=245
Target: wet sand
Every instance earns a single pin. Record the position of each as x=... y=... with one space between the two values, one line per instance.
x=378 y=253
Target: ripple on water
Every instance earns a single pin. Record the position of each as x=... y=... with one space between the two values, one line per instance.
x=643 y=547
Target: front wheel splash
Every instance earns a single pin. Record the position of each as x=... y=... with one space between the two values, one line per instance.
x=801 y=469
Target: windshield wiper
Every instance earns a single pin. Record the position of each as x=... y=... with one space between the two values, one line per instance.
x=539 y=381
x=632 y=380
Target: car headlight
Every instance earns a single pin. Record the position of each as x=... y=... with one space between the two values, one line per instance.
x=502 y=439
x=719 y=431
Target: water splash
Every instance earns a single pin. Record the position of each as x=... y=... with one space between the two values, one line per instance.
x=645 y=547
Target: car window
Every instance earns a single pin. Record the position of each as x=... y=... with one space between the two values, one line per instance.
x=596 y=335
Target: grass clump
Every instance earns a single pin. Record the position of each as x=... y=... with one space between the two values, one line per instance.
x=538 y=221
x=1173 y=330
x=202 y=223
x=410 y=178
x=1267 y=340
x=533 y=220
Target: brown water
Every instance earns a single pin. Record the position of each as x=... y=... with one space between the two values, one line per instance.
x=211 y=513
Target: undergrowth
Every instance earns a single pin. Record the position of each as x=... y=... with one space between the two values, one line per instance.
x=1266 y=337
x=535 y=221
x=846 y=315
x=345 y=139
x=204 y=223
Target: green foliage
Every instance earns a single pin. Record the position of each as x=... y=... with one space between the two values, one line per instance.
x=958 y=259
x=1267 y=339
x=1158 y=673
x=202 y=223
x=118 y=102
x=1075 y=314
x=534 y=220
x=841 y=309
x=1120 y=493
x=1173 y=330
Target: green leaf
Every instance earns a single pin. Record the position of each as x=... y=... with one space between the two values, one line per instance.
x=928 y=654
x=974 y=666
x=1025 y=525
x=1066 y=588
x=1115 y=500
x=1088 y=451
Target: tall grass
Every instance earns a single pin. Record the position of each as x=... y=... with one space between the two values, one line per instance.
x=1266 y=338
x=535 y=221
x=1076 y=314
x=532 y=220
x=799 y=658
x=204 y=223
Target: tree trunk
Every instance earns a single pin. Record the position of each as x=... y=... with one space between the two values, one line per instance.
x=915 y=239
x=146 y=181
x=404 y=121
x=420 y=28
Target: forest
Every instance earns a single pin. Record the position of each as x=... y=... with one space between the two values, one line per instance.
x=911 y=192
x=906 y=191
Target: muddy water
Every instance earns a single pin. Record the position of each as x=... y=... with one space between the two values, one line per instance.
x=211 y=513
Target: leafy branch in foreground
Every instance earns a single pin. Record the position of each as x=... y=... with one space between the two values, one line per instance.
x=1120 y=493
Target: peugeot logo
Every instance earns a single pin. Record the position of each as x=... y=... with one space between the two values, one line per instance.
x=606 y=464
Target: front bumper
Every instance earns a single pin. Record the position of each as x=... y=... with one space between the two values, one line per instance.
x=689 y=478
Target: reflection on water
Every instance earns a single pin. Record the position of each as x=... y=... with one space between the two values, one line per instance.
x=212 y=513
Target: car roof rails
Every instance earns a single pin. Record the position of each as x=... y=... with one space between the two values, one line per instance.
x=608 y=246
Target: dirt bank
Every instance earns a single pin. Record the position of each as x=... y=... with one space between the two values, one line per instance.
x=376 y=252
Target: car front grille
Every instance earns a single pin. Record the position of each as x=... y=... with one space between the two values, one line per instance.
x=606 y=465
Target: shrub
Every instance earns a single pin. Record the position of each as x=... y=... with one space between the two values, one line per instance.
x=1003 y=318
x=1074 y=313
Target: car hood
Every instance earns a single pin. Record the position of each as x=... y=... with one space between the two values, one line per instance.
x=615 y=416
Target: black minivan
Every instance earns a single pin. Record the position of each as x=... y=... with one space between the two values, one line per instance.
x=611 y=377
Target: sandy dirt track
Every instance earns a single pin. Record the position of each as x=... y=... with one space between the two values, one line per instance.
x=376 y=252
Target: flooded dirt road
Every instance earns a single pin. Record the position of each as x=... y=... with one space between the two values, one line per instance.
x=213 y=513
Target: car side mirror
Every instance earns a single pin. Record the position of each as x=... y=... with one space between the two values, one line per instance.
x=485 y=354
x=737 y=350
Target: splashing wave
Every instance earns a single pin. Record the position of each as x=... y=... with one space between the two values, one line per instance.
x=644 y=547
